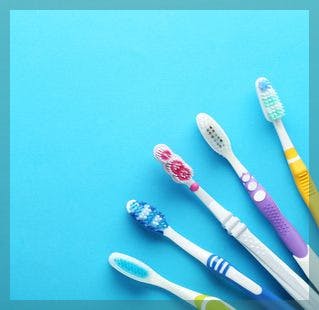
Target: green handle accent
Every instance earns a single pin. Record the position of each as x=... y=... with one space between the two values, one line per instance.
x=212 y=304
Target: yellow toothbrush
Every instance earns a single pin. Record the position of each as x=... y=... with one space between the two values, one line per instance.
x=274 y=111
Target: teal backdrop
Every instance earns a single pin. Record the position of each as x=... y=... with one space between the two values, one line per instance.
x=93 y=91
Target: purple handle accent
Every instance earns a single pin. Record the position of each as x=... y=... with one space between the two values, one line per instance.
x=269 y=209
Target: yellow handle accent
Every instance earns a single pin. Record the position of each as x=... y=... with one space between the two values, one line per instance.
x=212 y=303
x=305 y=184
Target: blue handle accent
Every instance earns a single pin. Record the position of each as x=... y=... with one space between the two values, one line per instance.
x=217 y=264
x=271 y=301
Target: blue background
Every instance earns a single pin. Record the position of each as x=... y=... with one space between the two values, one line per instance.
x=93 y=91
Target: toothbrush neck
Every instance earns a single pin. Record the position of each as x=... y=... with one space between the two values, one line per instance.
x=236 y=164
x=219 y=212
x=188 y=246
x=179 y=291
x=283 y=135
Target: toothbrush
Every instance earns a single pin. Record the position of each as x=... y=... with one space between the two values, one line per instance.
x=273 y=110
x=152 y=219
x=138 y=271
x=287 y=278
x=218 y=140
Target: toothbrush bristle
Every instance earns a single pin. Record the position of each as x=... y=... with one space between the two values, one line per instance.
x=212 y=132
x=131 y=267
x=162 y=153
x=173 y=164
x=270 y=102
x=147 y=215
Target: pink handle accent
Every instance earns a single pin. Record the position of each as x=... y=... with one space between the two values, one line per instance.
x=194 y=187
x=270 y=210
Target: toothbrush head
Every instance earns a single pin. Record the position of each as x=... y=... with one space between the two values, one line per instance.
x=213 y=134
x=173 y=164
x=147 y=215
x=271 y=105
x=131 y=267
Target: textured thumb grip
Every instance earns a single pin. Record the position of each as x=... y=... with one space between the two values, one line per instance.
x=306 y=187
x=270 y=210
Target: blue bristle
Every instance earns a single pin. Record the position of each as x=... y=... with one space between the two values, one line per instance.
x=148 y=216
x=131 y=268
x=264 y=85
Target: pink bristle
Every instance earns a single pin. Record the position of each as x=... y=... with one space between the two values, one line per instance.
x=179 y=170
x=173 y=164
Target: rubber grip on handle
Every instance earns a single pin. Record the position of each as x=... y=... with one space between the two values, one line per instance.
x=305 y=184
x=217 y=264
x=296 y=287
x=270 y=210
x=204 y=302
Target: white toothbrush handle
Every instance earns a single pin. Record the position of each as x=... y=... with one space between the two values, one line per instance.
x=283 y=135
x=289 y=280
x=293 y=284
x=188 y=246
x=178 y=290
x=309 y=265
x=220 y=266
x=219 y=211
x=139 y=271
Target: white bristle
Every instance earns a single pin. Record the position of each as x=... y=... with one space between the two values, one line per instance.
x=144 y=214
x=129 y=205
x=160 y=150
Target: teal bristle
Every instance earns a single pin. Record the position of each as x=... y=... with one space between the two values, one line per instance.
x=131 y=268
x=272 y=106
x=147 y=215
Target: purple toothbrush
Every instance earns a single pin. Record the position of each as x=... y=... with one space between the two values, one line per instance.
x=220 y=143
